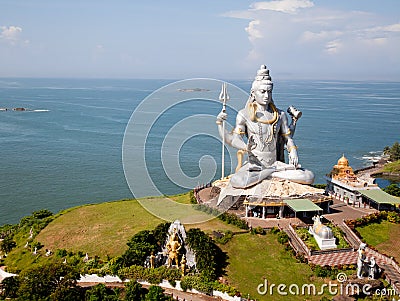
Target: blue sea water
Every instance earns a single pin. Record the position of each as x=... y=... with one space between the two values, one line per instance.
x=71 y=154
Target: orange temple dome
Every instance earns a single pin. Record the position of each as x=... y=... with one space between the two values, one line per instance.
x=343 y=161
x=342 y=171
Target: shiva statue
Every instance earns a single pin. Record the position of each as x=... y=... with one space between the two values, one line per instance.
x=268 y=132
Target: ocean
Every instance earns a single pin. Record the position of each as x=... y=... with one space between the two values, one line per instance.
x=66 y=150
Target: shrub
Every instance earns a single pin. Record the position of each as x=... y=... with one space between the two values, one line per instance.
x=258 y=230
x=61 y=253
x=301 y=258
x=283 y=237
x=192 y=198
x=154 y=276
x=227 y=236
x=41 y=214
x=275 y=230
x=224 y=288
x=210 y=260
x=393 y=217
x=199 y=283
x=320 y=271
x=226 y=217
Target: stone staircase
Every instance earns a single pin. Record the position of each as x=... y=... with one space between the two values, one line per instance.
x=336 y=257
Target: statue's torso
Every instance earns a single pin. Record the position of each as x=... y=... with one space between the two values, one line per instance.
x=262 y=137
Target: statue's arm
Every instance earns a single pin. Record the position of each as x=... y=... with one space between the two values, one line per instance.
x=233 y=138
x=290 y=145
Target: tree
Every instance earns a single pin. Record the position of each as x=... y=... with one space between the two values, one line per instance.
x=7 y=230
x=7 y=244
x=134 y=291
x=395 y=152
x=100 y=292
x=52 y=280
x=140 y=246
x=160 y=233
x=41 y=214
x=210 y=259
x=9 y=287
x=392 y=189
x=156 y=293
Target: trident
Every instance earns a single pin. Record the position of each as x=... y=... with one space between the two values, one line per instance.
x=224 y=97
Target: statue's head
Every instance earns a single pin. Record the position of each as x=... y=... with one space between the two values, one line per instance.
x=262 y=86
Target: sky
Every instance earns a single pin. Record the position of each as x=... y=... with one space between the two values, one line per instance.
x=296 y=39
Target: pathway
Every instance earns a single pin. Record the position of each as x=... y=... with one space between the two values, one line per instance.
x=269 y=223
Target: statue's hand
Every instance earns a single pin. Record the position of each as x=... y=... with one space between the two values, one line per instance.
x=293 y=158
x=251 y=144
x=221 y=117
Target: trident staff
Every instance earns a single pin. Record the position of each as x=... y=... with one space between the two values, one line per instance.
x=224 y=97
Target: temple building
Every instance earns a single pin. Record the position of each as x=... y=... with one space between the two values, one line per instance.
x=345 y=186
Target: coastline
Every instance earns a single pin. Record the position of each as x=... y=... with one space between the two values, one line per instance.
x=370 y=173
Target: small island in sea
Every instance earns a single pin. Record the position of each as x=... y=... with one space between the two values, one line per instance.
x=193 y=90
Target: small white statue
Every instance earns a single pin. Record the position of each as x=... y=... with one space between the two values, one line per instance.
x=86 y=259
x=374 y=270
x=26 y=245
x=361 y=260
x=35 y=251
x=48 y=252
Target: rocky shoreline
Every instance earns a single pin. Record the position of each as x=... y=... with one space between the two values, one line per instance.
x=369 y=173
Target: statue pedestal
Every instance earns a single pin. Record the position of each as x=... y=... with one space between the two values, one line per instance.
x=323 y=243
x=268 y=188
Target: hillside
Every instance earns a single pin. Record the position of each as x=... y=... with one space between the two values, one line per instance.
x=103 y=229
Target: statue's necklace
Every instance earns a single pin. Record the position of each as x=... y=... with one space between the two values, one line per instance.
x=273 y=121
x=253 y=115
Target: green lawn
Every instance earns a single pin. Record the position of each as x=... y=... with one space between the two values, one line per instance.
x=393 y=167
x=384 y=236
x=254 y=258
x=375 y=233
x=103 y=229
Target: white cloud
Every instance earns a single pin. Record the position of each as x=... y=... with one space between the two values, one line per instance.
x=12 y=35
x=377 y=41
x=322 y=35
x=252 y=30
x=388 y=28
x=296 y=34
x=333 y=47
x=286 y=6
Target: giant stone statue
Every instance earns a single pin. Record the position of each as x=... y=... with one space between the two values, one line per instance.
x=268 y=132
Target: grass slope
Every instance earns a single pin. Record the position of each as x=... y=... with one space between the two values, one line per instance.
x=392 y=167
x=384 y=236
x=253 y=258
x=103 y=229
x=97 y=229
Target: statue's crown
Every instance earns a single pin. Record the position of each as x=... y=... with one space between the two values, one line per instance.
x=263 y=73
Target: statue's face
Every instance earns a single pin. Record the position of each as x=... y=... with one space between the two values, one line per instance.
x=263 y=94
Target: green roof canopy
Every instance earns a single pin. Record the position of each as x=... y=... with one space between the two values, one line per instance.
x=379 y=196
x=300 y=205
